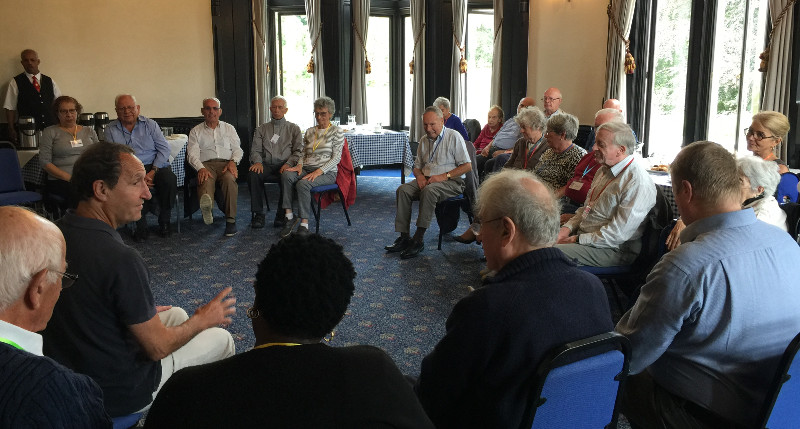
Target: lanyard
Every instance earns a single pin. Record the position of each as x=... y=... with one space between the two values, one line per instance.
x=11 y=343
x=588 y=169
x=263 y=346
x=606 y=185
x=317 y=140
x=436 y=146
x=533 y=150
x=75 y=134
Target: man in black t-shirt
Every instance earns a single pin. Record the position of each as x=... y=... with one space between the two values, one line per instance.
x=108 y=326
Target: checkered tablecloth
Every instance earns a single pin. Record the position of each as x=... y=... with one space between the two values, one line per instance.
x=379 y=149
x=664 y=182
x=32 y=172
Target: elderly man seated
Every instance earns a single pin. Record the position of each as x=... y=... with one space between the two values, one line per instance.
x=503 y=142
x=606 y=230
x=716 y=314
x=214 y=150
x=442 y=158
x=480 y=373
x=35 y=391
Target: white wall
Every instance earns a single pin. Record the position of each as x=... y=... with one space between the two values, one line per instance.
x=159 y=50
x=567 y=50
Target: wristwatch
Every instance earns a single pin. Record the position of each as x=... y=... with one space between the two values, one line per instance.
x=448 y=175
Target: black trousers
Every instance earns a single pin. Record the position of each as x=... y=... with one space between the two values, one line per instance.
x=255 y=182
x=165 y=185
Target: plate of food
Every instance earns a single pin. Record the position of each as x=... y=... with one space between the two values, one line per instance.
x=660 y=169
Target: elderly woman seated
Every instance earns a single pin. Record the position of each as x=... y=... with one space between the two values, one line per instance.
x=494 y=120
x=759 y=180
x=291 y=378
x=557 y=163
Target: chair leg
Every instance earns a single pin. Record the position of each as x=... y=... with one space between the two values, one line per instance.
x=317 y=209
x=341 y=199
x=440 y=241
x=266 y=198
x=178 y=212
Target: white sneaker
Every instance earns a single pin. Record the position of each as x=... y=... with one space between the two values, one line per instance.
x=205 y=206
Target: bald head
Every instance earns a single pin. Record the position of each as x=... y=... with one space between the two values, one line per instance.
x=30 y=245
x=613 y=103
x=551 y=100
x=525 y=102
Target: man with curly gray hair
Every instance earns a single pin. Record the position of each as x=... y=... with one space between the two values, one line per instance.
x=480 y=373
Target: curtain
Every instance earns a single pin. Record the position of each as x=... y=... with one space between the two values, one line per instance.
x=358 y=93
x=260 y=58
x=779 y=69
x=458 y=79
x=314 y=15
x=418 y=95
x=496 y=94
x=621 y=14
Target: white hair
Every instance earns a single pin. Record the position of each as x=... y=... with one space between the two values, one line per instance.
x=30 y=244
x=215 y=99
x=616 y=115
x=442 y=102
x=760 y=173
x=116 y=99
x=279 y=97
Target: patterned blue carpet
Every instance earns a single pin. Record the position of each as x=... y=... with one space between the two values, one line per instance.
x=399 y=306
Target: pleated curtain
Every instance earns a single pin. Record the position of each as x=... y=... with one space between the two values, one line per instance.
x=779 y=69
x=418 y=96
x=260 y=58
x=622 y=11
x=458 y=79
x=358 y=94
x=314 y=15
x=496 y=94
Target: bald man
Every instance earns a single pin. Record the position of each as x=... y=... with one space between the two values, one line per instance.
x=551 y=102
x=36 y=391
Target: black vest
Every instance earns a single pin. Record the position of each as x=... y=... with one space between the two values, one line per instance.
x=33 y=103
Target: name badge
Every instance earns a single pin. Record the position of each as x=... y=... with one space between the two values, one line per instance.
x=275 y=138
x=576 y=185
x=76 y=143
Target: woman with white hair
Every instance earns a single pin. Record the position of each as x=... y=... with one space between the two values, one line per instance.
x=759 y=180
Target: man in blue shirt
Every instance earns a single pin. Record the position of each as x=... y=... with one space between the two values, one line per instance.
x=716 y=314
x=144 y=136
x=450 y=119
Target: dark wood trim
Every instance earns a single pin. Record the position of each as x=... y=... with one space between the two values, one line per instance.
x=514 y=65
x=637 y=83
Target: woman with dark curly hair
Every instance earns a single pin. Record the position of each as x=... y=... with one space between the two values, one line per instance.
x=291 y=378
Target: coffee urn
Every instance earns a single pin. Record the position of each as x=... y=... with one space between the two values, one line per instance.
x=86 y=120
x=100 y=123
x=27 y=134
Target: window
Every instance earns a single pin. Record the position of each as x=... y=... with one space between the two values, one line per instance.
x=378 y=93
x=294 y=82
x=736 y=84
x=480 y=50
x=667 y=99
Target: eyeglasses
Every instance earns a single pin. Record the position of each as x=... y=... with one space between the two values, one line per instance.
x=549 y=100
x=757 y=135
x=214 y=108
x=476 y=228
x=65 y=111
x=67 y=279
x=321 y=114
x=126 y=109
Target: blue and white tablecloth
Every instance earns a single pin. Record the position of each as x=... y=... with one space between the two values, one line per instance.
x=379 y=148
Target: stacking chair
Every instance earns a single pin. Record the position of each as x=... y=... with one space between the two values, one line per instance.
x=792 y=219
x=787 y=188
x=275 y=180
x=12 y=188
x=473 y=128
x=126 y=422
x=448 y=211
x=321 y=196
x=579 y=383
x=781 y=408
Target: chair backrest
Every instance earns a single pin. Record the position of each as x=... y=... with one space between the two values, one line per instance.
x=10 y=172
x=584 y=131
x=471 y=184
x=473 y=128
x=787 y=189
x=578 y=384
x=792 y=219
x=660 y=216
x=781 y=408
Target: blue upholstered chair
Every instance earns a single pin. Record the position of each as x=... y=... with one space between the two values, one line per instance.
x=448 y=211
x=125 y=422
x=12 y=188
x=781 y=408
x=578 y=384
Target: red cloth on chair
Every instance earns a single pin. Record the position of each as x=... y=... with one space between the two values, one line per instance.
x=345 y=178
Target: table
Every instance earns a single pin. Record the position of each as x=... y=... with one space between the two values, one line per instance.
x=386 y=148
x=32 y=172
x=664 y=182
